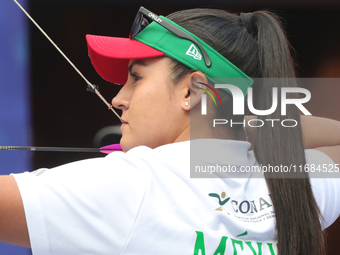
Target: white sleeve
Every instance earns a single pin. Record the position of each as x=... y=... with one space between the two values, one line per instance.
x=326 y=190
x=85 y=207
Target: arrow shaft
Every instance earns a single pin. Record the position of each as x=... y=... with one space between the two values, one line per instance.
x=54 y=149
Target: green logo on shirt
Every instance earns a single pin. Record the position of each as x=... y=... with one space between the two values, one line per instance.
x=238 y=246
x=221 y=202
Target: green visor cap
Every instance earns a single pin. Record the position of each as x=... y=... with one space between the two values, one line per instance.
x=221 y=71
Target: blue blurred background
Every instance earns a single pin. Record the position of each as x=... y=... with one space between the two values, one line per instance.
x=15 y=112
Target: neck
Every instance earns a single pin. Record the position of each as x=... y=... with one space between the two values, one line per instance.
x=199 y=126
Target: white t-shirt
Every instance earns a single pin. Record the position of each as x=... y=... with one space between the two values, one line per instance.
x=144 y=202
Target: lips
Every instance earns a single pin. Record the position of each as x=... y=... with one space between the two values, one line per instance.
x=124 y=123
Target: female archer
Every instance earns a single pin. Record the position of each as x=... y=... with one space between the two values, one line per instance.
x=144 y=201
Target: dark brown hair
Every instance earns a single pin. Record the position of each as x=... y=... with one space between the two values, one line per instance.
x=260 y=49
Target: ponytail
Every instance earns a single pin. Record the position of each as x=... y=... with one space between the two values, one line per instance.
x=257 y=45
x=297 y=215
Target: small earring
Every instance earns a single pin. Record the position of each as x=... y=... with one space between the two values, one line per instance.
x=186 y=103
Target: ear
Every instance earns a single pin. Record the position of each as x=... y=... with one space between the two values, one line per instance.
x=193 y=93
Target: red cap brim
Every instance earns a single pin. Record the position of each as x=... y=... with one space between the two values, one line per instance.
x=110 y=55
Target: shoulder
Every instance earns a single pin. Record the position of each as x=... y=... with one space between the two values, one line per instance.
x=102 y=193
x=136 y=166
x=325 y=182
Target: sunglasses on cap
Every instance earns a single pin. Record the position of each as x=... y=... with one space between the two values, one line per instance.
x=141 y=22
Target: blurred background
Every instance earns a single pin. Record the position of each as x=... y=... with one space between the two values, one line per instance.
x=44 y=102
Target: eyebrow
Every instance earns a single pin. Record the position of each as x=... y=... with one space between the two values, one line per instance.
x=138 y=62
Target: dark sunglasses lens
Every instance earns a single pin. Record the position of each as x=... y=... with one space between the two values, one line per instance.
x=139 y=24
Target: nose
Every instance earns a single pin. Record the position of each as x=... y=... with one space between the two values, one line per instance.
x=121 y=100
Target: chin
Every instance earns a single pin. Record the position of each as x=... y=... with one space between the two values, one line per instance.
x=127 y=144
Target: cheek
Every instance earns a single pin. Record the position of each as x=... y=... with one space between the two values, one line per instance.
x=149 y=115
x=141 y=107
x=151 y=100
x=142 y=114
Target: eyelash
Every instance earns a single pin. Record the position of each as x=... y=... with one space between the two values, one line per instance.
x=135 y=77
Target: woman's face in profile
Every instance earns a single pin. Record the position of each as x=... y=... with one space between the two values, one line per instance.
x=152 y=106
